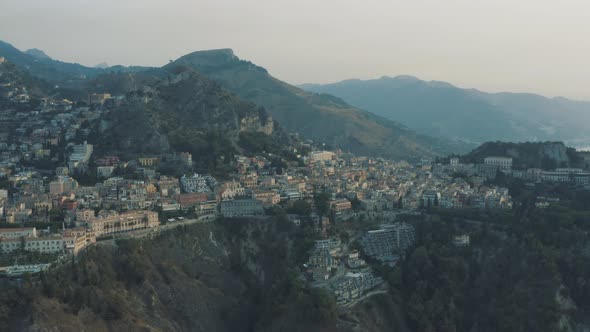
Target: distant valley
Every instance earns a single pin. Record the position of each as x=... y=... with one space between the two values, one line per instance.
x=441 y=109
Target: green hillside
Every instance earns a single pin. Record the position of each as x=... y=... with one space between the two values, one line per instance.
x=322 y=118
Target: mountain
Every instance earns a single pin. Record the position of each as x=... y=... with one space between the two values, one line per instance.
x=184 y=112
x=439 y=108
x=37 y=53
x=15 y=82
x=38 y=64
x=203 y=277
x=545 y=155
x=160 y=112
x=42 y=66
x=320 y=117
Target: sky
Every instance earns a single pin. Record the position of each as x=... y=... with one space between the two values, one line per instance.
x=538 y=46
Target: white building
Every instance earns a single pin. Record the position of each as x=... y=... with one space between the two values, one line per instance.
x=48 y=244
x=504 y=163
x=80 y=155
x=63 y=184
x=112 y=222
x=232 y=190
x=316 y=156
x=461 y=240
x=15 y=233
x=197 y=183
x=241 y=208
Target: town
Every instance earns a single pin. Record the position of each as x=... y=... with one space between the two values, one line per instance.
x=88 y=198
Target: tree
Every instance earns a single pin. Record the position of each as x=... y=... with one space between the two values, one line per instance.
x=322 y=203
x=301 y=207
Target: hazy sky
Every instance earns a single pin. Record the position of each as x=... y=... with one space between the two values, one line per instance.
x=540 y=46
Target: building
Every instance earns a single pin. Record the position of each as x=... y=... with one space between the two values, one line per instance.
x=197 y=183
x=80 y=156
x=104 y=171
x=17 y=270
x=556 y=177
x=84 y=215
x=353 y=285
x=430 y=198
x=61 y=171
x=189 y=200
x=331 y=244
x=206 y=210
x=268 y=197
x=316 y=156
x=383 y=243
x=461 y=240
x=63 y=184
x=340 y=205
x=111 y=222
x=15 y=233
x=503 y=163
x=232 y=190
x=454 y=161
x=148 y=161
x=28 y=241
x=82 y=234
x=241 y=208
x=99 y=98
x=186 y=158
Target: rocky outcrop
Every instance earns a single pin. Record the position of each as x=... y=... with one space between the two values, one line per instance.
x=546 y=155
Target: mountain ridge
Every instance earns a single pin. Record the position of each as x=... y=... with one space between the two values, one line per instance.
x=324 y=119
x=442 y=109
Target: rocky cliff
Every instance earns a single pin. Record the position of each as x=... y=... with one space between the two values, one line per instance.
x=231 y=276
x=547 y=155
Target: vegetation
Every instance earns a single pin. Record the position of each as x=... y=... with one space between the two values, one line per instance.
x=545 y=155
x=274 y=288
x=518 y=265
x=320 y=117
x=179 y=275
x=21 y=257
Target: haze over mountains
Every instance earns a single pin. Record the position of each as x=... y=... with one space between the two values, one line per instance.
x=441 y=109
x=322 y=118
x=400 y=117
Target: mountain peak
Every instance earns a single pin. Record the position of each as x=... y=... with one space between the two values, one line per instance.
x=401 y=77
x=214 y=57
x=37 y=53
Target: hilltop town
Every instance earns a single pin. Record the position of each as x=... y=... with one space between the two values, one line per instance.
x=59 y=195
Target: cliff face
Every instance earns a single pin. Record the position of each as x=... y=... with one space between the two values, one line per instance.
x=557 y=152
x=231 y=276
x=257 y=123
x=179 y=281
x=185 y=112
x=545 y=155
x=319 y=117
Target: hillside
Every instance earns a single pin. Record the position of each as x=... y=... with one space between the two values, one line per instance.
x=546 y=155
x=184 y=112
x=319 y=117
x=241 y=275
x=322 y=118
x=57 y=72
x=14 y=81
x=439 y=108
x=230 y=276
